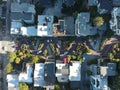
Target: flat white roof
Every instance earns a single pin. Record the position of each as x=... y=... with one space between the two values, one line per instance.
x=29 y=31
x=12 y=80
x=39 y=75
x=15 y=27
x=26 y=77
x=45 y=27
x=75 y=71
x=60 y=65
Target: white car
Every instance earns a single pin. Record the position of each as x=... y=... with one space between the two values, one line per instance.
x=58 y=45
x=39 y=52
x=65 y=52
x=48 y=41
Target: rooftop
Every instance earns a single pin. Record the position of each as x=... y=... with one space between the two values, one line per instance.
x=15 y=27
x=115 y=21
x=21 y=16
x=69 y=2
x=92 y=2
x=99 y=83
x=26 y=76
x=62 y=72
x=70 y=26
x=44 y=27
x=12 y=80
x=39 y=75
x=59 y=28
x=49 y=73
x=75 y=72
x=109 y=70
x=22 y=11
x=22 y=7
x=46 y=3
x=116 y=3
x=29 y=31
x=82 y=25
x=105 y=4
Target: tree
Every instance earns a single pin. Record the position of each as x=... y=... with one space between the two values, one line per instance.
x=57 y=87
x=9 y=68
x=73 y=57
x=17 y=60
x=35 y=59
x=23 y=86
x=45 y=52
x=98 y=21
x=75 y=14
x=12 y=56
x=114 y=82
x=111 y=56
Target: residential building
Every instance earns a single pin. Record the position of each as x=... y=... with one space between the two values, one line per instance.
x=92 y=2
x=109 y=70
x=22 y=12
x=75 y=72
x=59 y=28
x=27 y=75
x=22 y=1
x=82 y=25
x=45 y=3
x=64 y=27
x=45 y=27
x=104 y=6
x=116 y=3
x=13 y=81
x=49 y=75
x=62 y=72
x=99 y=77
x=28 y=31
x=44 y=75
x=3 y=10
x=15 y=27
x=39 y=75
x=19 y=29
x=115 y=20
x=75 y=75
x=69 y=3
x=98 y=83
x=68 y=72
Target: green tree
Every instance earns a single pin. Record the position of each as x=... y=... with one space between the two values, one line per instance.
x=45 y=52
x=115 y=83
x=73 y=57
x=111 y=56
x=98 y=21
x=75 y=14
x=12 y=56
x=35 y=59
x=57 y=87
x=23 y=86
x=9 y=68
x=17 y=60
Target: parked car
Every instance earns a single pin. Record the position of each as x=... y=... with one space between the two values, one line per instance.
x=66 y=52
x=58 y=45
x=39 y=52
x=48 y=41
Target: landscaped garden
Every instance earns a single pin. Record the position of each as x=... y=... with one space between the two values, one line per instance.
x=24 y=54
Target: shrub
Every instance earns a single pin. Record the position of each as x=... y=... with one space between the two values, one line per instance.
x=23 y=86
x=9 y=68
